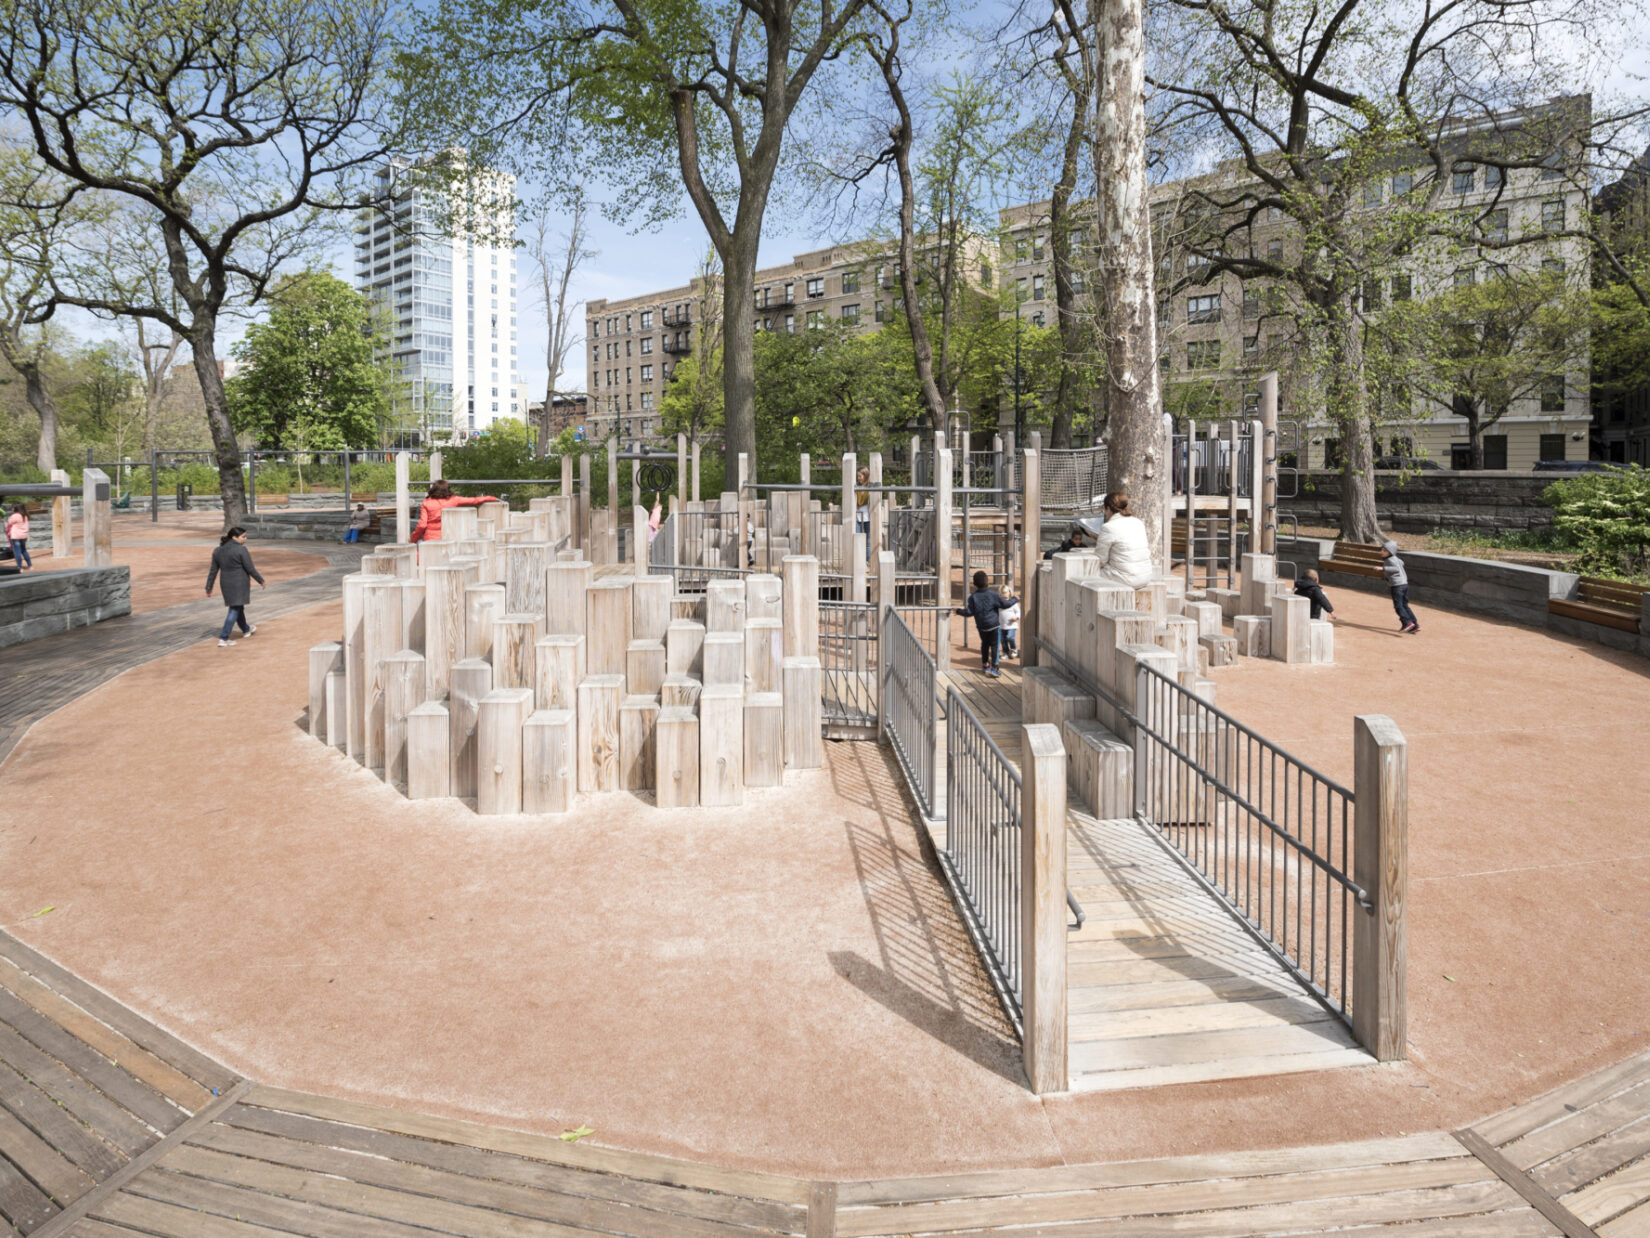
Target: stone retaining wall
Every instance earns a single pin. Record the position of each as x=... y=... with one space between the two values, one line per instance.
x=311 y=526
x=1477 y=586
x=32 y=606
x=1421 y=502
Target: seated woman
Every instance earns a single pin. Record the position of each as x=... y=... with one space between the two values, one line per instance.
x=440 y=498
x=1120 y=545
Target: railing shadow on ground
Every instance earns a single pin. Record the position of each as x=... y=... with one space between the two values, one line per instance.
x=926 y=971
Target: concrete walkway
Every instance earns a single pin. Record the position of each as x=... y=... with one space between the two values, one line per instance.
x=786 y=989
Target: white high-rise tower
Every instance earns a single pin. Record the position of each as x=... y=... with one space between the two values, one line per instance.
x=443 y=272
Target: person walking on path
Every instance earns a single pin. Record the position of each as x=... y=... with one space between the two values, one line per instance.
x=1308 y=587
x=17 y=533
x=1397 y=579
x=1121 y=546
x=359 y=522
x=233 y=562
x=439 y=499
x=987 y=605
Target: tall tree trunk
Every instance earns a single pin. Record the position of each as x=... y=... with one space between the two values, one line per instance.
x=230 y=483
x=738 y=353
x=1475 y=440
x=40 y=399
x=1068 y=393
x=1138 y=446
x=1349 y=398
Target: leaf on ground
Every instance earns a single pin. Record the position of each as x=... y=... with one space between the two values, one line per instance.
x=575 y=1135
x=1451 y=979
x=43 y=911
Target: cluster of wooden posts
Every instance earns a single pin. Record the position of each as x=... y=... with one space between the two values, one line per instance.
x=497 y=664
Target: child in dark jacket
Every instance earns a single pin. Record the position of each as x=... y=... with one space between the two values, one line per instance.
x=1308 y=587
x=987 y=605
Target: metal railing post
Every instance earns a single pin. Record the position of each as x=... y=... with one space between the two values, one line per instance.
x=1043 y=907
x=1381 y=868
x=346 y=481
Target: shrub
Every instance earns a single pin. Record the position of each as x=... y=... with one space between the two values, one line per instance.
x=1608 y=516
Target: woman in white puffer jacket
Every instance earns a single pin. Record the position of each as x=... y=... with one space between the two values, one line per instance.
x=1120 y=545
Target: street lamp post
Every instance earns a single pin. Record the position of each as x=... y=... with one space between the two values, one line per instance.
x=1019 y=416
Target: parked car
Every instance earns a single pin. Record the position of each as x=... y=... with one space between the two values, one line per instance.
x=1572 y=466
x=1406 y=462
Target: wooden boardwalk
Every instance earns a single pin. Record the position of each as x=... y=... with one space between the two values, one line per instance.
x=1164 y=984
x=110 y=1128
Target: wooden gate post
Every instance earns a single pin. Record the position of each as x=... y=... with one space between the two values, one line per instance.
x=1381 y=868
x=96 y=518
x=1031 y=555
x=1043 y=907
x=403 y=497
x=63 y=515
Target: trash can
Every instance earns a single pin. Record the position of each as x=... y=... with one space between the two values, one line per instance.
x=185 y=490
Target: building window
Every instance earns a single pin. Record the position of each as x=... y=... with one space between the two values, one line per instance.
x=1274 y=251
x=1372 y=194
x=850 y=283
x=790 y=293
x=1037 y=248
x=1552 y=447
x=850 y=313
x=790 y=322
x=1251 y=302
x=1251 y=346
x=1402 y=183
x=1494 y=178
x=761 y=298
x=647 y=345
x=627 y=404
x=881 y=312
x=1552 y=215
x=985 y=274
x=1021 y=248
x=1552 y=167
x=1036 y=287
x=1495 y=451
x=1372 y=295
x=1552 y=266
x=627 y=348
x=1465 y=277
x=1203 y=355
x=1401 y=290
x=627 y=375
x=1552 y=393
x=1020 y=288
x=647 y=319
x=647 y=399
x=816 y=286
x=1461 y=179
x=816 y=318
x=1495 y=226
x=1203 y=309
x=595 y=328
x=627 y=326
x=647 y=373
x=1197 y=266
x=1163 y=364
x=1037 y=319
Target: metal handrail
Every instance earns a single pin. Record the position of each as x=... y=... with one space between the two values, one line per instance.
x=912 y=709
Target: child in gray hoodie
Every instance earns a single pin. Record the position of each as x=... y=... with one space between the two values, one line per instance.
x=1392 y=568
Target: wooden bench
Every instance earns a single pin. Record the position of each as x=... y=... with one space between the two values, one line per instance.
x=1609 y=603
x=274 y=500
x=1354 y=559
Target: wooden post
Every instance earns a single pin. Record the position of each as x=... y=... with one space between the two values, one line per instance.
x=695 y=495
x=1031 y=554
x=499 y=721
x=764 y=597
x=650 y=607
x=723 y=655
x=354 y=665
x=680 y=690
x=63 y=516
x=644 y=667
x=876 y=504
x=549 y=762
x=804 y=686
x=764 y=739
x=403 y=693
x=638 y=724
x=567 y=483
x=483 y=607
x=1380 y=946
x=850 y=509
x=446 y=625
x=638 y=538
x=472 y=679
x=412 y=615
x=515 y=650
x=725 y=605
x=403 y=496
x=435 y=466
x=525 y=565
x=459 y=524
x=598 y=732
x=337 y=706
x=1043 y=906
x=684 y=647
x=559 y=669
x=764 y=654
x=607 y=626
x=565 y=589
x=800 y=598
x=721 y=746
x=323 y=660
x=429 y=761
x=942 y=552
x=676 y=752
x=613 y=479
x=381 y=638
x=96 y=518
x=681 y=470
x=581 y=530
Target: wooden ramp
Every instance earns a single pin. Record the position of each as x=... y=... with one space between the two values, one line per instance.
x=1165 y=985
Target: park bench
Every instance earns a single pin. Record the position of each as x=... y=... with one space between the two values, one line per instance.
x=1609 y=603
x=1354 y=559
x=274 y=500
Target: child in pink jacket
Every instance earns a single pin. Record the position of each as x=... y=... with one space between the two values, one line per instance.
x=17 y=533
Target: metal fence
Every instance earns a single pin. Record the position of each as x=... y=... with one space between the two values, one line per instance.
x=982 y=847
x=910 y=680
x=1267 y=835
x=848 y=657
x=1271 y=837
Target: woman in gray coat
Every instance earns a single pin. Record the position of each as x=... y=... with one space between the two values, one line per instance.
x=233 y=562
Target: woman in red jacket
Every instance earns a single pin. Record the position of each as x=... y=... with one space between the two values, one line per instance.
x=440 y=498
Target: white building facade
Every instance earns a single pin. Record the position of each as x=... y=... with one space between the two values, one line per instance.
x=441 y=272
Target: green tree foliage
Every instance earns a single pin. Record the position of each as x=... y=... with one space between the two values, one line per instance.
x=311 y=381
x=828 y=390
x=1608 y=516
x=692 y=404
x=1620 y=343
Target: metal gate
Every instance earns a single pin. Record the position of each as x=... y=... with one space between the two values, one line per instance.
x=848 y=656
